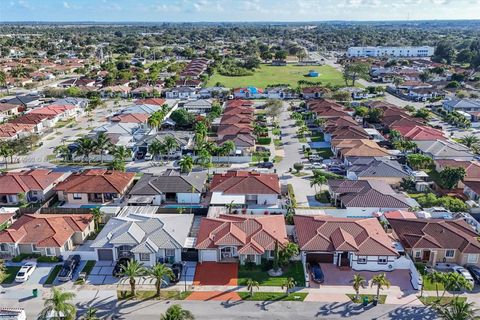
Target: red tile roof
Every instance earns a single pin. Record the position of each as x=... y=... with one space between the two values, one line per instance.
x=436 y=234
x=32 y=118
x=419 y=133
x=252 y=234
x=154 y=101
x=245 y=182
x=52 y=110
x=239 y=103
x=27 y=180
x=130 y=118
x=329 y=234
x=8 y=106
x=472 y=168
x=97 y=181
x=45 y=230
x=400 y=214
x=8 y=130
x=4 y=217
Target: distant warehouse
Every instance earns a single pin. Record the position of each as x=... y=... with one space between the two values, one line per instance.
x=390 y=51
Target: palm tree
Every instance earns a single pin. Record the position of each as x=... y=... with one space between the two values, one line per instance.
x=394 y=135
x=455 y=282
x=85 y=147
x=91 y=314
x=102 y=143
x=58 y=305
x=160 y=271
x=380 y=280
x=156 y=149
x=357 y=282
x=63 y=151
x=288 y=284
x=97 y=216
x=154 y=121
x=6 y=152
x=131 y=270
x=457 y=309
x=186 y=164
x=470 y=141
x=176 y=312
x=204 y=159
x=170 y=144
x=318 y=180
x=227 y=148
x=121 y=153
x=252 y=284
x=229 y=206
x=436 y=278
x=3 y=80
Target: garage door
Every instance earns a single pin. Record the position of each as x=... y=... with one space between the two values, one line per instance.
x=105 y=254
x=209 y=255
x=320 y=258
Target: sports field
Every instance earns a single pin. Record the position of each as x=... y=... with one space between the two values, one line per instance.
x=270 y=75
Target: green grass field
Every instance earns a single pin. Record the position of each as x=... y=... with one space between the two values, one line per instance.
x=270 y=75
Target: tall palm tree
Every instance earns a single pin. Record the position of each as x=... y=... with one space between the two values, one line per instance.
x=3 y=80
x=121 y=153
x=381 y=281
x=186 y=164
x=470 y=141
x=357 y=282
x=102 y=143
x=176 y=312
x=132 y=270
x=288 y=284
x=227 y=148
x=318 y=180
x=154 y=121
x=170 y=144
x=160 y=271
x=97 y=216
x=85 y=147
x=457 y=309
x=63 y=151
x=252 y=284
x=156 y=149
x=455 y=282
x=58 y=305
x=436 y=278
x=230 y=206
x=204 y=159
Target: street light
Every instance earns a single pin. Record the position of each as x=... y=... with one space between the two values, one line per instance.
x=184 y=263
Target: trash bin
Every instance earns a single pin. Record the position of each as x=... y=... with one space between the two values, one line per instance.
x=365 y=301
x=375 y=301
x=35 y=293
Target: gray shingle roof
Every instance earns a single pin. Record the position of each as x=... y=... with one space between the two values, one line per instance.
x=376 y=167
x=170 y=181
x=443 y=148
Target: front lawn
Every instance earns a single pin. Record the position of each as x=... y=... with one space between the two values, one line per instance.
x=272 y=296
x=53 y=274
x=438 y=301
x=147 y=295
x=427 y=284
x=371 y=297
x=293 y=270
x=10 y=274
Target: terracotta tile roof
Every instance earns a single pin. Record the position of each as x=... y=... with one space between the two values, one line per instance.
x=310 y=90
x=237 y=118
x=245 y=182
x=8 y=130
x=45 y=230
x=234 y=129
x=4 y=217
x=52 y=110
x=8 y=106
x=326 y=108
x=343 y=121
x=360 y=148
x=96 y=181
x=472 y=168
x=154 y=101
x=27 y=180
x=252 y=234
x=239 y=103
x=436 y=234
x=350 y=132
x=32 y=118
x=328 y=234
x=130 y=118
x=419 y=133
x=400 y=214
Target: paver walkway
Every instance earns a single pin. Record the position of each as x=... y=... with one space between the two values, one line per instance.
x=214 y=296
x=216 y=274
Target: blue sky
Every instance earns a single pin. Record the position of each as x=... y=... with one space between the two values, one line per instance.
x=235 y=10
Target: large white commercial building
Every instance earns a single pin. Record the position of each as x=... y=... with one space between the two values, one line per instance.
x=390 y=51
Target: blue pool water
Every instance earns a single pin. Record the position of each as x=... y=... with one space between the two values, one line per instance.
x=187 y=206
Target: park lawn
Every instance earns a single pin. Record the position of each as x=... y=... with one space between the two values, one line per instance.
x=381 y=298
x=11 y=273
x=147 y=295
x=293 y=270
x=272 y=296
x=271 y=75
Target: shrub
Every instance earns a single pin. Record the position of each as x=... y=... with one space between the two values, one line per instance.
x=264 y=140
x=37 y=256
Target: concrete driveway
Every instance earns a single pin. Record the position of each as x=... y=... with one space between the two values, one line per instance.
x=102 y=273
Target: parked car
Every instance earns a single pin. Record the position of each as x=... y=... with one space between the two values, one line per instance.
x=117 y=270
x=464 y=272
x=315 y=158
x=475 y=272
x=318 y=165
x=317 y=273
x=148 y=157
x=267 y=165
x=177 y=269
x=262 y=149
x=337 y=170
x=68 y=268
x=25 y=271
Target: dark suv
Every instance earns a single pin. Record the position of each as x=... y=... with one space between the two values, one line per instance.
x=118 y=270
x=68 y=268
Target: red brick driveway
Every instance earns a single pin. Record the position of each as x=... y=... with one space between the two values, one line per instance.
x=216 y=274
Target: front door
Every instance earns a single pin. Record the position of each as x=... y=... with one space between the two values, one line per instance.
x=426 y=255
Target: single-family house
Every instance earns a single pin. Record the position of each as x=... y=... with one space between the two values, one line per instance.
x=139 y=118
x=248 y=93
x=438 y=240
x=169 y=187
x=376 y=168
x=445 y=149
x=26 y=101
x=45 y=234
x=201 y=106
x=242 y=238
x=280 y=93
x=360 y=244
x=184 y=141
x=94 y=186
x=358 y=148
x=181 y=93
x=12 y=131
x=146 y=238
x=313 y=92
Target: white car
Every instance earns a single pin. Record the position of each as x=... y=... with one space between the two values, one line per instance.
x=465 y=273
x=148 y=157
x=25 y=272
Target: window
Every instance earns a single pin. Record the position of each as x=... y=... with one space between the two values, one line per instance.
x=34 y=248
x=472 y=258
x=77 y=196
x=449 y=253
x=3 y=247
x=50 y=252
x=382 y=260
x=144 y=256
x=418 y=254
x=362 y=259
x=169 y=253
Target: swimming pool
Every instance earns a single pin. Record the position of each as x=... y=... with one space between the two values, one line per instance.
x=186 y=206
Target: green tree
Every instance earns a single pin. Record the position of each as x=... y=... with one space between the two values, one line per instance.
x=121 y=153
x=451 y=176
x=171 y=144
x=159 y=272
x=288 y=251
x=86 y=147
x=97 y=216
x=186 y=164
x=91 y=314
x=472 y=142
x=156 y=149
x=298 y=166
x=58 y=305
x=318 y=180
x=381 y=281
x=457 y=309
x=63 y=151
x=252 y=284
x=358 y=282
x=288 y=285
x=375 y=115
x=3 y=270
x=182 y=117
x=419 y=161
x=102 y=143
x=423 y=113
x=227 y=148
x=436 y=278
x=354 y=71
x=204 y=158
x=3 y=80
x=361 y=111
x=176 y=312
x=455 y=282
x=444 y=52
x=132 y=270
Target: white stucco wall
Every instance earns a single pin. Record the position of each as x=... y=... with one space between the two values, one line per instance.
x=188 y=197
x=268 y=198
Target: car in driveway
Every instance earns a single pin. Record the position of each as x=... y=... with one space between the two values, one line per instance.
x=177 y=269
x=266 y=165
x=118 y=270
x=68 y=268
x=475 y=272
x=316 y=273
x=25 y=271
x=464 y=272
